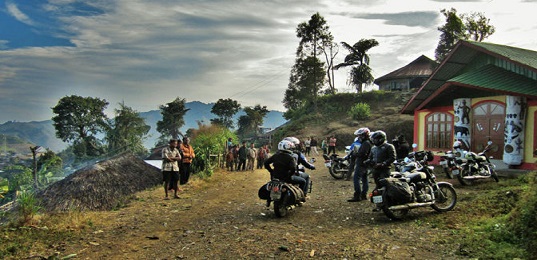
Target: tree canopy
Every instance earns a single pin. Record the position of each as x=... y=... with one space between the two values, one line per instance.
x=127 y=131
x=358 y=60
x=225 y=109
x=172 y=119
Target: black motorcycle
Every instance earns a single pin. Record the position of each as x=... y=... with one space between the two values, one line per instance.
x=337 y=166
x=475 y=166
x=417 y=187
x=448 y=163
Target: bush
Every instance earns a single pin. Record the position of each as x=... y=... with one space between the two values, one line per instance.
x=360 y=111
x=27 y=207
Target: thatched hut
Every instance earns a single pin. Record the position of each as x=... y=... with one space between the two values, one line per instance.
x=101 y=186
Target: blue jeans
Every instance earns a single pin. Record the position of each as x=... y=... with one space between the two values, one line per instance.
x=300 y=181
x=306 y=177
x=360 y=174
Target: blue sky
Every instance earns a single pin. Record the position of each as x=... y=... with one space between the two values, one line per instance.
x=147 y=52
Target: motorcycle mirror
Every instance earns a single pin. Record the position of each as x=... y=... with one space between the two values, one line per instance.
x=489 y=142
x=414 y=146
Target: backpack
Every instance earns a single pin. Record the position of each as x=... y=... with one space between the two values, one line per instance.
x=398 y=192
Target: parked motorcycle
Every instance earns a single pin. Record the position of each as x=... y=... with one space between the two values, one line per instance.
x=337 y=166
x=401 y=192
x=448 y=163
x=475 y=166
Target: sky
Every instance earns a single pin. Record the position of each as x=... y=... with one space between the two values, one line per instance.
x=145 y=53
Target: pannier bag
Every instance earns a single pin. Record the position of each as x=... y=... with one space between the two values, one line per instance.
x=398 y=192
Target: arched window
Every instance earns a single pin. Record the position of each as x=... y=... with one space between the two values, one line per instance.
x=438 y=127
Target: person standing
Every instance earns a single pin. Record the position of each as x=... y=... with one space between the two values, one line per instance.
x=243 y=153
x=170 y=168
x=262 y=155
x=314 y=145
x=402 y=148
x=381 y=157
x=324 y=145
x=188 y=155
x=332 y=144
x=252 y=152
x=360 y=167
x=307 y=144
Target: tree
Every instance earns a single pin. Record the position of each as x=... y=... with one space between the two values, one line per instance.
x=127 y=132
x=225 y=109
x=249 y=123
x=78 y=120
x=474 y=26
x=172 y=118
x=358 y=59
x=314 y=37
x=302 y=83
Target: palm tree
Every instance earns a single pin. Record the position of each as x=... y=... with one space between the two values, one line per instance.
x=360 y=73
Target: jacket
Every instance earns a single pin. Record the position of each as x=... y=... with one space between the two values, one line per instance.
x=283 y=166
x=382 y=156
x=188 y=153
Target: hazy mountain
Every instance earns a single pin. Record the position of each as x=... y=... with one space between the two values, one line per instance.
x=43 y=133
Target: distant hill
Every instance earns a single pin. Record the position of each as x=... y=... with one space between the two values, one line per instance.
x=43 y=133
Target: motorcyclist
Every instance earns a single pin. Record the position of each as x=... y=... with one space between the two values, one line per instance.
x=301 y=160
x=381 y=157
x=360 y=168
x=284 y=166
x=351 y=157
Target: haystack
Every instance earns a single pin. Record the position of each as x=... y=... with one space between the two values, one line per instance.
x=102 y=186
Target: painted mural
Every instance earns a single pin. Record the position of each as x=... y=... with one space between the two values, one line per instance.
x=462 y=111
x=515 y=115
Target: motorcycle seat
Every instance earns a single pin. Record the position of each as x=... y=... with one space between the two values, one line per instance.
x=416 y=176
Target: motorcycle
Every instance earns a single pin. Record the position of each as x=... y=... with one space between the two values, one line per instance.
x=403 y=191
x=337 y=166
x=448 y=163
x=475 y=166
x=286 y=196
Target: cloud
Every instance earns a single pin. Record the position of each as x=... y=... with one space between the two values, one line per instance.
x=17 y=14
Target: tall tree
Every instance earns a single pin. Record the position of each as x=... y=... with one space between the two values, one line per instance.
x=249 y=123
x=474 y=26
x=172 y=118
x=127 y=132
x=314 y=37
x=78 y=120
x=358 y=60
x=225 y=109
x=302 y=82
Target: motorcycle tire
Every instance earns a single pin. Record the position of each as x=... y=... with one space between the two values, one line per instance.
x=494 y=175
x=392 y=214
x=280 y=207
x=448 y=173
x=445 y=198
x=337 y=171
x=460 y=177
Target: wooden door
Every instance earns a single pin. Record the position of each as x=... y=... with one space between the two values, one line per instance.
x=488 y=124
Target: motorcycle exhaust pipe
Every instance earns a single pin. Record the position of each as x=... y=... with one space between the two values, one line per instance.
x=411 y=205
x=475 y=177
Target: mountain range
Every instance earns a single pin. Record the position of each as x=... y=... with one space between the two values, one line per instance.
x=43 y=133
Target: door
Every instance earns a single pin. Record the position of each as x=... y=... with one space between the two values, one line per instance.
x=488 y=124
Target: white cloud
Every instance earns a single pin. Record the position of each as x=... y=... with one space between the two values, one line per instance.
x=15 y=12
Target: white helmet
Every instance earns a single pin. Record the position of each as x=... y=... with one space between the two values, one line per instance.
x=364 y=131
x=457 y=145
x=286 y=145
x=292 y=139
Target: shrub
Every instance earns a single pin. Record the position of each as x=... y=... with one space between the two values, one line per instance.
x=27 y=207
x=360 y=111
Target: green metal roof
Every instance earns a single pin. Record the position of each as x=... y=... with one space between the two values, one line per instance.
x=523 y=56
x=495 y=78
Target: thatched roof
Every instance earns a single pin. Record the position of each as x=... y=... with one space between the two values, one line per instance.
x=101 y=186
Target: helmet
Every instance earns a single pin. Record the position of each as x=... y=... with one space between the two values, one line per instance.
x=285 y=145
x=364 y=132
x=378 y=137
x=292 y=139
x=457 y=145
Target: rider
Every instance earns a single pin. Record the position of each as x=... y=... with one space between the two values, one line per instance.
x=353 y=150
x=360 y=167
x=381 y=157
x=284 y=165
x=301 y=160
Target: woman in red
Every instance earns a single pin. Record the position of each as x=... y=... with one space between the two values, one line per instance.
x=188 y=155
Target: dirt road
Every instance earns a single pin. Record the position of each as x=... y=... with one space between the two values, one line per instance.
x=224 y=219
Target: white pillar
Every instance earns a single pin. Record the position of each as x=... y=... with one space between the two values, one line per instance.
x=515 y=119
x=462 y=108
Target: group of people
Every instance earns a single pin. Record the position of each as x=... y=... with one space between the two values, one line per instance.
x=243 y=157
x=176 y=165
x=328 y=145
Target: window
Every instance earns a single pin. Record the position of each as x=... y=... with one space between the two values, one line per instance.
x=438 y=127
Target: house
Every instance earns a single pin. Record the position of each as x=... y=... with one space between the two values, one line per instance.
x=408 y=77
x=481 y=92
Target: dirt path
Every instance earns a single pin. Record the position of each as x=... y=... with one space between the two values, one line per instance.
x=224 y=219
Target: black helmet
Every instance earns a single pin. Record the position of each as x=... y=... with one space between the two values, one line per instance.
x=378 y=137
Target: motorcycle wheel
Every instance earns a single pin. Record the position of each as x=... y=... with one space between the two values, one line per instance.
x=280 y=209
x=337 y=171
x=494 y=175
x=445 y=198
x=460 y=177
x=448 y=173
x=393 y=214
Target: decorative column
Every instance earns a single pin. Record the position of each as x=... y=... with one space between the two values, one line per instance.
x=515 y=118
x=462 y=110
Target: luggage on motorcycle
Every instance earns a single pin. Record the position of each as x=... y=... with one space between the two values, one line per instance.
x=264 y=193
x=421 y=154
x=296 y=193
x=398 y=191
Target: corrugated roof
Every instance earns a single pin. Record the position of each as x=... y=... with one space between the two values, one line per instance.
x=462 y=54
x=423 y=66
